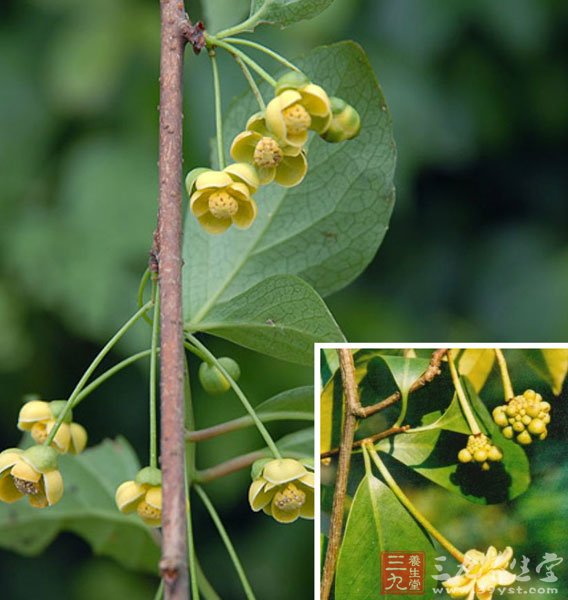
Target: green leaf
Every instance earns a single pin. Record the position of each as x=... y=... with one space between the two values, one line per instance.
x=298 y=444
x=325 y=230
x=451 y=420
x=282 y=316
x=87 y=509
x=329 y=364
x=410 y=448
x=551 y=364
x=286 y=12
x=377 y=523
x=405 y=371
x=503 y=482
x=219 y=14
x=295 y=404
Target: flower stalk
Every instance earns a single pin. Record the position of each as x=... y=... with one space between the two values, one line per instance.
x=505 y=377
x=462 y=398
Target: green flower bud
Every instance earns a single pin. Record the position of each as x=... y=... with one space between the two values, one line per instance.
x=213 y=381
x=293 y=80
x=150 y=476
x=345 y=122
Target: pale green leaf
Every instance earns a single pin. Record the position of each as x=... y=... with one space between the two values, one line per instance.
x=286 y=12
x=294 y=404
x=325 y=230
x=377 y=523
x=87 y=509
x=282 y=316
x=298 y=444
x=405 y=371
x=476 y=364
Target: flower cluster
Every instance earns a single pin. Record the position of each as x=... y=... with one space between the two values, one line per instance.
x=272 y=148
x=479 y=449
x=142 y=495
x=524 y=417
x=284 y=490
x=33 y=472
x=482 y=574
x=39 y=418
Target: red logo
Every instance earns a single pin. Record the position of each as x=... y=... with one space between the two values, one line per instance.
x=402 y=573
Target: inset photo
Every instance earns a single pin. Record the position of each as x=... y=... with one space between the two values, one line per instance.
x=443 y=472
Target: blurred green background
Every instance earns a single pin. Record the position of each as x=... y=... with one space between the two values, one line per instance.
x=476 y=251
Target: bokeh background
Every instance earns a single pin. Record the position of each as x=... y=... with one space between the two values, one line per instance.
x=476 y=249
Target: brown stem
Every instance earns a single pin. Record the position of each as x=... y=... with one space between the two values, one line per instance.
x=229 y=466
x=167 y=249
x=429 y=374
x=352 y=406
x=373 y=438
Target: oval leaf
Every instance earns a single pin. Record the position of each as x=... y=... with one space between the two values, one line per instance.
x=286 y=12
x=282 y=316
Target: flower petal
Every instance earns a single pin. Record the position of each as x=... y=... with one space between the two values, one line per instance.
x=9 y=458
x=307 y=510
x=275 y=119
x=199 y=203
x=38 y=501
x=260 y=499
x=78 y=438
x=246 y=214
x=240 y=191
x=503 y=559
x=242 y=172
x=53 y=483
x=213 y=225
x=257 y=123
x=283 y=516
x=212 y=179
x=316 y=100
x=8 y=491
x=283 y=470
x=308 y=479
x=154 y=497
x=291 y=170
x=242 y=148
x=266 y=175
x=31 y=412
x=22 y=470
x=62 y=439
x=128 y=495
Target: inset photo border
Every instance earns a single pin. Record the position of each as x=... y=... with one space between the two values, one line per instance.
x=442 y=471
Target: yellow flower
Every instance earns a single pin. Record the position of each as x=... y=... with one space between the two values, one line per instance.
x=345 y=122
x=220 y=199
x=293 y=111
x=483 y=573
x=39 y=417
x=32 y=473
x=284 y=490
x=142 y=495
x=287 y=165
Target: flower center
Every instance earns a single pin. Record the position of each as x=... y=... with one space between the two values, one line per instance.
x=290 y=498
x=39 y=432
x=296 y=118
x=267 y=153
x=28 y=488
x=222 y=205
x=147 y=511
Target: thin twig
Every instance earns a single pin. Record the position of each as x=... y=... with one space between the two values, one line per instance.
x=173 y=565
x=429 y=375
x=371 y=439
x=336 y=524
x=229 y=466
